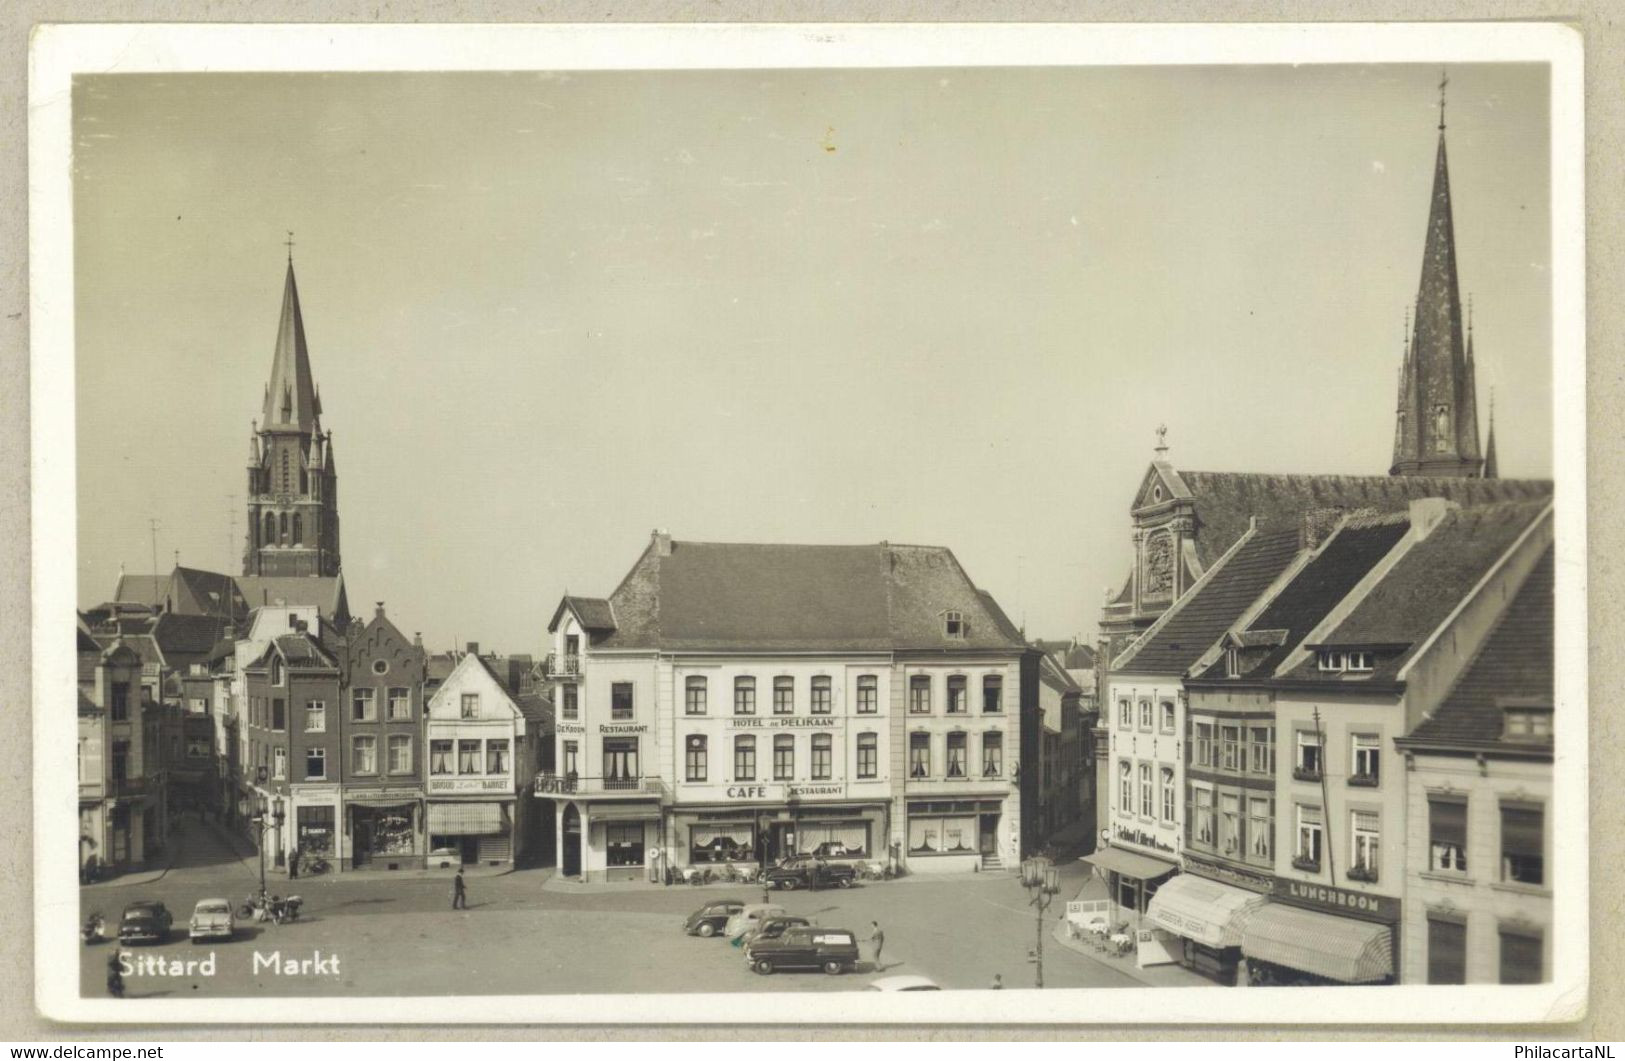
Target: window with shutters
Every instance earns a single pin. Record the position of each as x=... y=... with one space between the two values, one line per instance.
x=1447 y=950
x=1523 y=844
x=1447 y=835
x=1521 y=958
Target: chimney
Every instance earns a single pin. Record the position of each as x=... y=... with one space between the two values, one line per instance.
x=473 y=648
x=1427 y=513
x=378 y=611
x=417 y=639
x=661 y=537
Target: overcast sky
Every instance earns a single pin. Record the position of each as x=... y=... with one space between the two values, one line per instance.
x=550 y=313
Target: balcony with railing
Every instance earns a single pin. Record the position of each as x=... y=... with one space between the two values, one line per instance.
x=563 y=666
x=600 y=787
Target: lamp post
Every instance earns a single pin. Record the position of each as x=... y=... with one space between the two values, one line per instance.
x=1042 y=881
x=263 y=819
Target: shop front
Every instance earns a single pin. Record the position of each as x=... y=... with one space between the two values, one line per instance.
x=386 y=831
x=945 y=836
x=1208 y=917
x=472 y=832
x=1299 y=940
x=765 y=834
x=1132 y=881
x=609 y=840
x=315 y=824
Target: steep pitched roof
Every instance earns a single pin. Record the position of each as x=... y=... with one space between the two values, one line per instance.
x=1420 y=591
x=196 y=592
x=290 y=397
x=707 y=595
x=1316 y=589
x=594 y=613
x=1197 y=620
x=1226 y=501
x=325 y=593
x=187 y=634
x=1515 y=663
x=1073 y=655
x=150 y=590
x=535 y=707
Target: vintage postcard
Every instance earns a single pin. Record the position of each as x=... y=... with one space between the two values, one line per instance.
x=742 y=524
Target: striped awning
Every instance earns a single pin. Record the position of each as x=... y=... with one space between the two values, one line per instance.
x=1129 y=863
x=1338 y=948
x=466 y=819
x=623 y=812
x=1203 y=910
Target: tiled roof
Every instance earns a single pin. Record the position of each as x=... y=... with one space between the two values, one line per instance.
x=535 y=707
x=1200 y=618
x=1316 y=589
x=1226 y=500
x=595 y=613
x=200 y=592
x=302 y=650
x=1514 y=663
x=142 y=589
x=188 y=634
x=708 y=595
x=1421 y=590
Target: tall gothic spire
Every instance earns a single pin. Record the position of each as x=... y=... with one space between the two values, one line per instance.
x=290 y=398
x=1437 y=419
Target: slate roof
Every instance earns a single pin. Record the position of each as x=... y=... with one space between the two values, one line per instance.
x=1224 y=501
x=188 y=634
x=299 y=650
x=595 y=613
x=1316 y=589
x=197 y=592
x=1514 y=663
x=1198 y=619
x=884 y=597
x=1420 y=591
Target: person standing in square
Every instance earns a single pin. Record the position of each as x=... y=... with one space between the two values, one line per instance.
x=459 y=892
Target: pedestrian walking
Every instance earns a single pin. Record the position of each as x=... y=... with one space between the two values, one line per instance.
x=998 y=982
x=115 y=975
x=459 y=892
x=293 y=863
x=878 y=938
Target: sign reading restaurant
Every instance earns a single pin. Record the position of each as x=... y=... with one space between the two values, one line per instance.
x=1337 y=900
x=780 y=793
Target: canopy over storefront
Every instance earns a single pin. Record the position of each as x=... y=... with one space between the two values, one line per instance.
x=1129 y=864
x=1338 y=948
x=623 y=812
x=466 y=819
x=1204 y=910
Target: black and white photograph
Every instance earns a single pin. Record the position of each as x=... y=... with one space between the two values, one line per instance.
x=633 y=523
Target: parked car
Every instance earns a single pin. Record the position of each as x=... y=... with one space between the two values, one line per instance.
x=833 y=849
x=903 y=983
x=748 y=917
x=712 y=918
x=212 y=919
x=445 y=858
x=834 y=950
x=773 y=927
x=146 y=921
x=797 y=872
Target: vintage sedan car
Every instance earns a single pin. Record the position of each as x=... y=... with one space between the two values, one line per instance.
x=212 y=919
x=773 y=927
x=748 y=917
x=904 y=983
x=798 y=871
x=146 y=921
x=712 y=918
x=834 y=950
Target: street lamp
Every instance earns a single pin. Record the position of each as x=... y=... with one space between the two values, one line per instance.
x=264 y=819
x=1042 y=881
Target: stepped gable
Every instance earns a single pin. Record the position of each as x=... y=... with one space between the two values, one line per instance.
x=1318 y=588
x=1515 y=663
x=1192 y=626
x=1420 y=591
x=1225 y=501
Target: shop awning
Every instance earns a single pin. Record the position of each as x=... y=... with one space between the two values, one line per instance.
x=1338 y=948
x=378 y=801
x=1203 y=910
x=466 y=819
x=623 y=812
x=1129 y=864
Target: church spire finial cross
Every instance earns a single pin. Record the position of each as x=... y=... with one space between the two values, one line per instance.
x=288 y=243
x=1444 y=80
x=1162 y=439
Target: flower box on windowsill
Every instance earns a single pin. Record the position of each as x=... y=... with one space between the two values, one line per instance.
x=1363 y=781
x=1362 y=873
x=1300 y=774
x=1308 y=865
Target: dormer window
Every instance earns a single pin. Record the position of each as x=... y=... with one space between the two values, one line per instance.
x=1232 y=662
x=1333 y=662
x=1360 y=661
x=953 y=625
x=1526 y=723
x=1350 y=662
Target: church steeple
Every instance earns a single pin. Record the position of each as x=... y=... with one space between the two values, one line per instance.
x=290 y=396
x=293 y=521
x=1437 y=420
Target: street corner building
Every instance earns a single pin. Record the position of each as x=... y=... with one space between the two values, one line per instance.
x=730 y=705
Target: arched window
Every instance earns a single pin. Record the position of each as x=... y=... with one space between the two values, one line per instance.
x=298 y=529
x=304 y=481
x=283 y=520
x=270 y=529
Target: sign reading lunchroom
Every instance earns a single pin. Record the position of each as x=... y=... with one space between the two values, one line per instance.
x=1337 y=900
